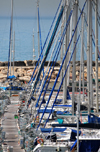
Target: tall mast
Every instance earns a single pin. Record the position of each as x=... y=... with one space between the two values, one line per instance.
x=81 y=60
x=75 y=17
x=96 y=51
x=38 y=28
x=65 y=48
x=91 y=76
x=13 y=51
x=33 y=51
x=70 y=34
x=11 y=33
x=61 y=51
x=64 y=66
x=88 y=55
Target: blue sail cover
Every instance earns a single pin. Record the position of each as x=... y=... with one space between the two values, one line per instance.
x=11 y=77
x=93 y=119
x=47 y=110
x=48 y=130
x=14 y=88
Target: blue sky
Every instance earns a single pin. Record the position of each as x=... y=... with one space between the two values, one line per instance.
x=28 y=7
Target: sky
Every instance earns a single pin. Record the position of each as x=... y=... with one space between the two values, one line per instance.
x=27 y=8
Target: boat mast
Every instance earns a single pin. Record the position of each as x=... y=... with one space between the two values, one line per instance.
x=61 y=52
x=64 y=66
x=11 y=33
x=38 y=28
x=82 y=47
x=65 y=48
x=75 y=17
x=13 y=50
x=91 y=75
x=33 y=51
x=96 y=52
x=81 y=60
x=70 y=34
x=88 y=54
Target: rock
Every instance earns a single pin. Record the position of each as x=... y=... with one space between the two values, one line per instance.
x=5 y=63
x=77 y=63
x=93 y=63
x=2 y=64
x=85 y=63
x=4 y=71
x=20 y=74
x=55 y=73
x=19 y=63
x=56 y=68
x=53 y=76
x=28 y=62
x=76 y=73
x=25 y=78
x=3 y=76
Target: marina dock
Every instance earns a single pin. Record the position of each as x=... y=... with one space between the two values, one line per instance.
x=10 y=128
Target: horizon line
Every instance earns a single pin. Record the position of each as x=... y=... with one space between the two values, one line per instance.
x=34 y=17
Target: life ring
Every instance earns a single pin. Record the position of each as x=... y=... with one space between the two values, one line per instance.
x=40 y=141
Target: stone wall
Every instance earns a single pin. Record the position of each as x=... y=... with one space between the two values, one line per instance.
x=23 y=70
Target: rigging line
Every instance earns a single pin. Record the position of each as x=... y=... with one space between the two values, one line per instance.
x=81 y=38
x=94 y=43
x=9 y=51
x=40 y=43
x=40 y=30
x=51 y=31
x=36 y=104
x=63 y=78
x=45 y=42
x=42 y=81
x=92 y=29
x=56 y=56
x=9 y=44
x=57 y=39
x=84 y=16
x=42 y=69
x=46 y=54
x=64 y=17
x=59 y=47
x=98 y=17
x=61 y=26
x=61 y=65
x=49 y=61
x=86 y=24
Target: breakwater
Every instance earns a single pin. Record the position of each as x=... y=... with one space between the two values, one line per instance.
x=23 y=70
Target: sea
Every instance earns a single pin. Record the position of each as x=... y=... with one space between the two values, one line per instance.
x=25 y=28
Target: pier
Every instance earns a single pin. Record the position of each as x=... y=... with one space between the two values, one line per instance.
x=9 y=124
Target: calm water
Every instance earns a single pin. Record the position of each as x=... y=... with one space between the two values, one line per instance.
x=24 y=28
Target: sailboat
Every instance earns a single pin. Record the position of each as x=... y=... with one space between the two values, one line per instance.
x=13 y=84
x=39 y=124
